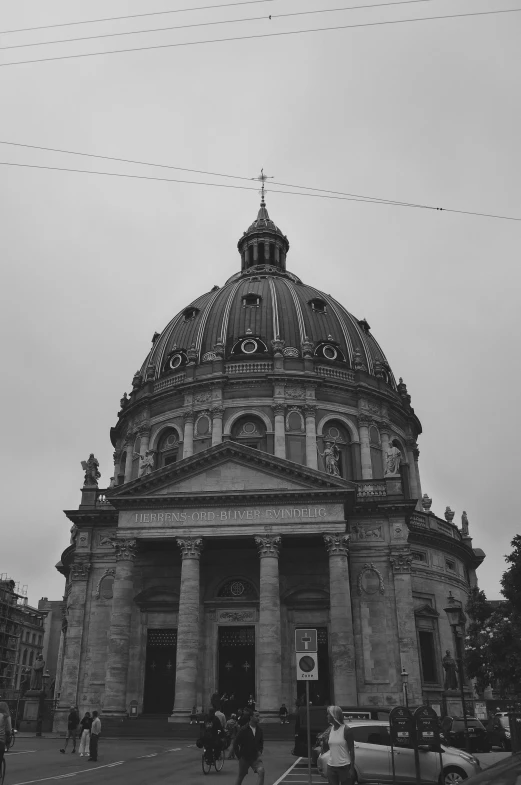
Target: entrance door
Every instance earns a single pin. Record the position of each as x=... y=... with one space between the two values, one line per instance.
x=319 y=693
x=237 y=662
x=160 y=671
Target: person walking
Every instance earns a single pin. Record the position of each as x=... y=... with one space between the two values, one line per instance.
x=231 y=729
x=6 y=728
x=251 y=703
x=244 y=717
x=221 y=717
x=283 y=714
x=85 y=726
x=338 y=739
x=73 y=721
x=94 y=736
x=248 y=747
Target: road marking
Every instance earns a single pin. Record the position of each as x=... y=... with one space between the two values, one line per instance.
x=117 y=763
x=22 y=752
x=287 y=771
x=178 y=749
x=61 y=776
x=153 y=755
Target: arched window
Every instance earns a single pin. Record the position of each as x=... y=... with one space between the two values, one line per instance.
x=168 y=448
x=202 y=433
x=106 y=588
x=250 y=430
x=295 y=437
x=348 y=459
x=376 y=453
x=135 y=459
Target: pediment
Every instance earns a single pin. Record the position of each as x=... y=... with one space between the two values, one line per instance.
x=228 y=468
x=427 y=610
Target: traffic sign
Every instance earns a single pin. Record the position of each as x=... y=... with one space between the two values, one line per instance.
x=306 y=640
x=307 y=666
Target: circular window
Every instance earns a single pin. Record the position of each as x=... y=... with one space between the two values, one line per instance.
x=171 y=440
x=249 y=427
x=334 y=433
x=237 y=588
x=203 y=425
x=249 y=346
x=330 y=352
x=175 y=361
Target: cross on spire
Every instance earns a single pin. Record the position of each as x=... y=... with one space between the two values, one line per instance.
x=262 y=178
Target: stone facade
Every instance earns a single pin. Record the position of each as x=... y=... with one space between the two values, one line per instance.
x=256 y=490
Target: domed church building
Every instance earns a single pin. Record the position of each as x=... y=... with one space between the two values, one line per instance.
x=266 y=479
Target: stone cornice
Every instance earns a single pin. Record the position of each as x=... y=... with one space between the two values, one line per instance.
x=94 y=516
x=237 y=498
x=421 y=536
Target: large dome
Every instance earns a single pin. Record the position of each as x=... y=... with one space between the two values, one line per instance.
x=260 y=307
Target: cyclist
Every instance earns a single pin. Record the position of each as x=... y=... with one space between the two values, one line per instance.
x=6 y=729
x=212 y=732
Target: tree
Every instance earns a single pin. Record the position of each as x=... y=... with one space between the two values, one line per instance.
x=493 y=640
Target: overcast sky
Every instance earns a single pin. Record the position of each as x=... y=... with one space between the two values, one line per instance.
x=424 y=112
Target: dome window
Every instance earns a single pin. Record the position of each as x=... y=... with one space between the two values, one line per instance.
x=251 y=432
x=251 y=300
x=175 y=361
x=318 y=305
x=168 y=448
x=329 y=351
x=190 y=313
x=249 y=346
x=202 y=440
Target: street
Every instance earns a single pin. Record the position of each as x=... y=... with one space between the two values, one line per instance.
x=132 y=762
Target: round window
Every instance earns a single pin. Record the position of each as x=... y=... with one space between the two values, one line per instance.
x=171 y=440
x=249 y=427
x=334 y=433
x=203 y=425
x=175 y=361
x=237 y=588
x=249 y=346
x=330 y=352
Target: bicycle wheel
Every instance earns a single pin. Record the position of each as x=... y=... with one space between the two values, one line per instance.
x=205 y=762
x=219 y=762
x=13 y=739
x=2 y=772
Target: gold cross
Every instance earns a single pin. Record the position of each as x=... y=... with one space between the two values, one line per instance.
x=262 y=178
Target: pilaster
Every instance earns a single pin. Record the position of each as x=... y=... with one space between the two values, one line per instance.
x=269 y=631
x=400 y=560
x=341 y=621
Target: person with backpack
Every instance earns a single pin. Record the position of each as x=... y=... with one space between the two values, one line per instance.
x=6 y=729
x=73 y=722
x=338 y=739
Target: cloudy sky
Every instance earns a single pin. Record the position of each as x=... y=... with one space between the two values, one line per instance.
x=422 y=112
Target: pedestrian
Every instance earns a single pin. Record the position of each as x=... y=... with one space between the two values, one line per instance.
x=251 y=703
x=339 y=740
x=244 y=718
x=6 y=728
x=220 y=716
x=94 y=736
x=283 y=714
x=85 y=726
x=193 y=715
x=73 y=721
x=215 y=700
x=232 y=727
x=248 y=747
x=232 y=704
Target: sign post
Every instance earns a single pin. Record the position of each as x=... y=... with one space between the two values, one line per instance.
x=428 y=731
x=401 y=724
x=307 y=670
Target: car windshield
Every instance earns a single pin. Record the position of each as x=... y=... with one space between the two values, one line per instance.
x=460 y=725
x=504 y=722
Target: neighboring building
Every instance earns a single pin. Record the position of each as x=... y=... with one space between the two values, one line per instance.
x=266 y=479
x=9 y=634
x=30 y=645
x=52 y=635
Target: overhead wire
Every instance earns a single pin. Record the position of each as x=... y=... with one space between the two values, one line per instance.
x=261 y=35
x=250 y=188
x=265 y=17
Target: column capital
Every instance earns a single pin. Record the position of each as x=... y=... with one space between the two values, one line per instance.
x=279 y=409
x=191 y=547
x=80 y=570
x=401 y=560
x=116 y=455
x=218 y=411
x=384 y=427
x=310 y=410
x=130 y=438
x=188 y=416
x=125 y=549
x=268 y=546
x=337 y=544
x=365 y=420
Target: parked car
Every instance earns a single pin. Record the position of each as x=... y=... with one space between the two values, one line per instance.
x=453 y=729
x=498 y=731
x=318 y=718
x=505 y=772
x=373 y=759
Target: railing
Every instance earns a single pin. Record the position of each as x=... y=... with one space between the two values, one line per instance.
x=249 y=367
x=424 y=521
x=336 y=373
x=171 y=381
x=371 y=490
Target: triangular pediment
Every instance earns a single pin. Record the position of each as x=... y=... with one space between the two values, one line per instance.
x=427 y=610
x=229 y=468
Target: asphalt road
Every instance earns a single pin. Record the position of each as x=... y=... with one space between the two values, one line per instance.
x=136 y=762
x=132 y=762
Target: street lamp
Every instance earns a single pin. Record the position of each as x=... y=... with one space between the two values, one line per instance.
x=457 y=621
x=405 y=680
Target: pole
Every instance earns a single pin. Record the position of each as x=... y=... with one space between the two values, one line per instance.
x=308 y=722
x=462 y=693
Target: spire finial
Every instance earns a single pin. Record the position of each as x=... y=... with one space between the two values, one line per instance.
x=262 y=178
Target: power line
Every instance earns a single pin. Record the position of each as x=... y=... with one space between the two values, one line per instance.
x=133 y=16
x=265 y=17
x=261 y=35
x=199 y=171
x=249 y=188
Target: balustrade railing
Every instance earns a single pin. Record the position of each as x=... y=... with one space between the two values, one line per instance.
x=336 y=373
x=250 y=367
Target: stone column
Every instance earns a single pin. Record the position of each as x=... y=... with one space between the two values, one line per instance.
x=311 y=437
x=269 y=643
x=341 y=621
x=144 y=434
x=188 y=439
x=401 y=561
x=416 y=455
x=188 y=633
x=129 y=447
x=217 y=425
x=116 y=455
x=413 y=480
x=385 y=435
x=365 y=448
x=280 y=430
x=75 y=604
x=118 y=655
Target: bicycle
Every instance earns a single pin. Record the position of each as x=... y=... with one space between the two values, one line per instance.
x=208 y=760
x=11 y=741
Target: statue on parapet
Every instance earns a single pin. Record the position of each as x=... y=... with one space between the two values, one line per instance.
x=331 y=457
x=146 y=462
x=393 y=458
x=91 y=469
x=464 y=524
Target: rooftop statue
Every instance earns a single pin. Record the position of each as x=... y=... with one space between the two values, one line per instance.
x=91 y=469
x=393 y=459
